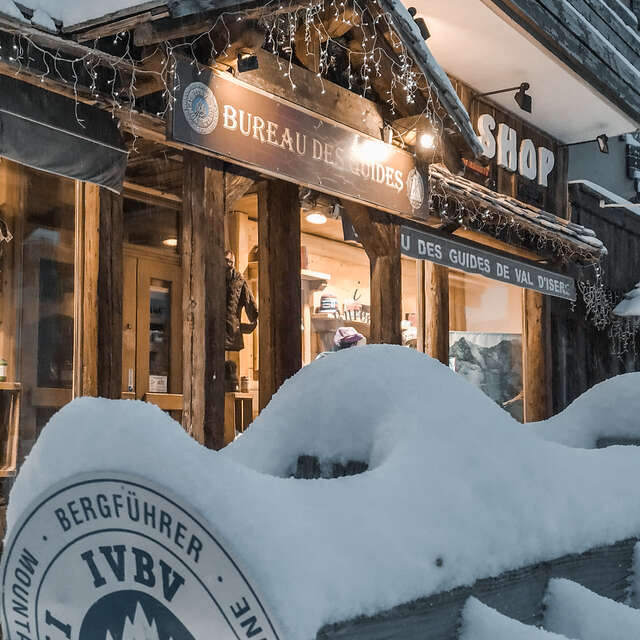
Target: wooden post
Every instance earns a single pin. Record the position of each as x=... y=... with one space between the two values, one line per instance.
x=421 y=304
x=279 y=285
x=85 y=292
x=110 y=291
x=380 y=238
x=535 y=356
x=203 y=299
x=437 y=312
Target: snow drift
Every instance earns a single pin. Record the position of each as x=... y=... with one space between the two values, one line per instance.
x=609 y=409
x=456 y=489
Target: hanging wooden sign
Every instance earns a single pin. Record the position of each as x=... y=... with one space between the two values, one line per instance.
x=455 y=254
x=217 y=112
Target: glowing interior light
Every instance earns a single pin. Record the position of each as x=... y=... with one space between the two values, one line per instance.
x=316 y=218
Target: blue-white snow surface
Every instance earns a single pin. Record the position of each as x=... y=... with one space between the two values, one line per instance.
x=452 y=476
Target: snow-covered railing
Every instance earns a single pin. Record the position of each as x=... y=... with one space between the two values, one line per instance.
x=426 y=494
x=517 y=594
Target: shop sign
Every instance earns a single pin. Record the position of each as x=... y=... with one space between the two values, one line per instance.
x=110 y=557
x=458 y=255
x=217 y=112
x=530 y=162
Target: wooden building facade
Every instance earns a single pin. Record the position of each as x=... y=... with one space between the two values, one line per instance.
x=123 y=294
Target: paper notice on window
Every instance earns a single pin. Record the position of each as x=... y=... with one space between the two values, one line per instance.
x=157 y=384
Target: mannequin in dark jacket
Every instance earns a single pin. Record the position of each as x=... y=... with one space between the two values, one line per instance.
x=239 y=297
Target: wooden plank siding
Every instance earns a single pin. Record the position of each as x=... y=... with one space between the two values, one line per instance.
x=566 y=28
x=518 y=594
x=582 y=355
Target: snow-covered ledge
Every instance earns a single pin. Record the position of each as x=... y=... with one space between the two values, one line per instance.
x=456 y=490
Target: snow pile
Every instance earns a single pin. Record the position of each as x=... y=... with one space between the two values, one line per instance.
x=480 y=622
x=630 y=304
x=8 y=8
x=456 y=490
x=576 y=612
x=609 y=409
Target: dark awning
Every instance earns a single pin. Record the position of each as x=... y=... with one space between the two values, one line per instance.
x=47 y=131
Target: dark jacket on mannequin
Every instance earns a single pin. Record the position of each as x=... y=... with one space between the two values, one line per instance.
x=239 y=297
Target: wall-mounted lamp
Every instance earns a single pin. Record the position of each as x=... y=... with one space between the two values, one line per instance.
x=422 y=25
x=170 y=242
x=247 y=62
x=603 y=143
x=523 y=99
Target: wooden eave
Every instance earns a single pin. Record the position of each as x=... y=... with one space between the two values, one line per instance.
x=599 y=46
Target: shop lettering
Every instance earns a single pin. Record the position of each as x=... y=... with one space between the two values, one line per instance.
x=352 y=160
x=450 y=253
x=527 y=161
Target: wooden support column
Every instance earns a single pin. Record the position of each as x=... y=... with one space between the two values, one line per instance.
x=279 y=285
x=85 y=292
x=110 y=295
x=380 y=238
x=203 y=299
x=436 y=326
x=535 y=356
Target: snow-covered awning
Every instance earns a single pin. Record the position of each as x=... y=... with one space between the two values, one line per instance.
x=629 y=306
x=487 y=210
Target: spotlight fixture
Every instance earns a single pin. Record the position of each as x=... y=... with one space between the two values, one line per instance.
x=422 y=25
x=316 y=218
x=603 y=143
x=247 y=62
x=522 y=98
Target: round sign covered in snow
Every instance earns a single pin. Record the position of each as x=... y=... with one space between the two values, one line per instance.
x=113 y=558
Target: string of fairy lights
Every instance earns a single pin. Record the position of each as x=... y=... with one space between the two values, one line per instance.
x=318 y=27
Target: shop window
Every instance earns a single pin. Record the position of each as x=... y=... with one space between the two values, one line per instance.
x=410 y=318
x=36 y=298
x=485 y=339
x=335 y=286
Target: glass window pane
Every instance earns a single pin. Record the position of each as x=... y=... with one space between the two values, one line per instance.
x=485 y=338
x=150 y=225
x=159 y=335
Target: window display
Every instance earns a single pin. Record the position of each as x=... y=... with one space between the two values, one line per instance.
x=485 y=338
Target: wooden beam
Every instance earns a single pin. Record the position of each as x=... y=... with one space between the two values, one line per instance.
x=536 y=356
x=436 y=327
x=110 y=292
x=279 y=285
x=204 y=299
x=150 y=195
x=336 y=102
x=85 y=290
x=380 y=237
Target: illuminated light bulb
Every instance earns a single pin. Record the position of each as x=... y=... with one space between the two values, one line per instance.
x=427 y=141
x=170 y=242
x=316 y=218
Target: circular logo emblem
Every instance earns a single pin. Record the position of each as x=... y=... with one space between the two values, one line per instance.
x=200 y=108
x=415 y=189
x=112 y=558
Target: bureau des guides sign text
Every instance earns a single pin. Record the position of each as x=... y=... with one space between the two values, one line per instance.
x=216 y=112
x=110 y=557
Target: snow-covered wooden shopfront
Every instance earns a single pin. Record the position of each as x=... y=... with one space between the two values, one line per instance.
x=239 y=122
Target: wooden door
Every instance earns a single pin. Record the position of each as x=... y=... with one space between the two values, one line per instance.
x=152 y=330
